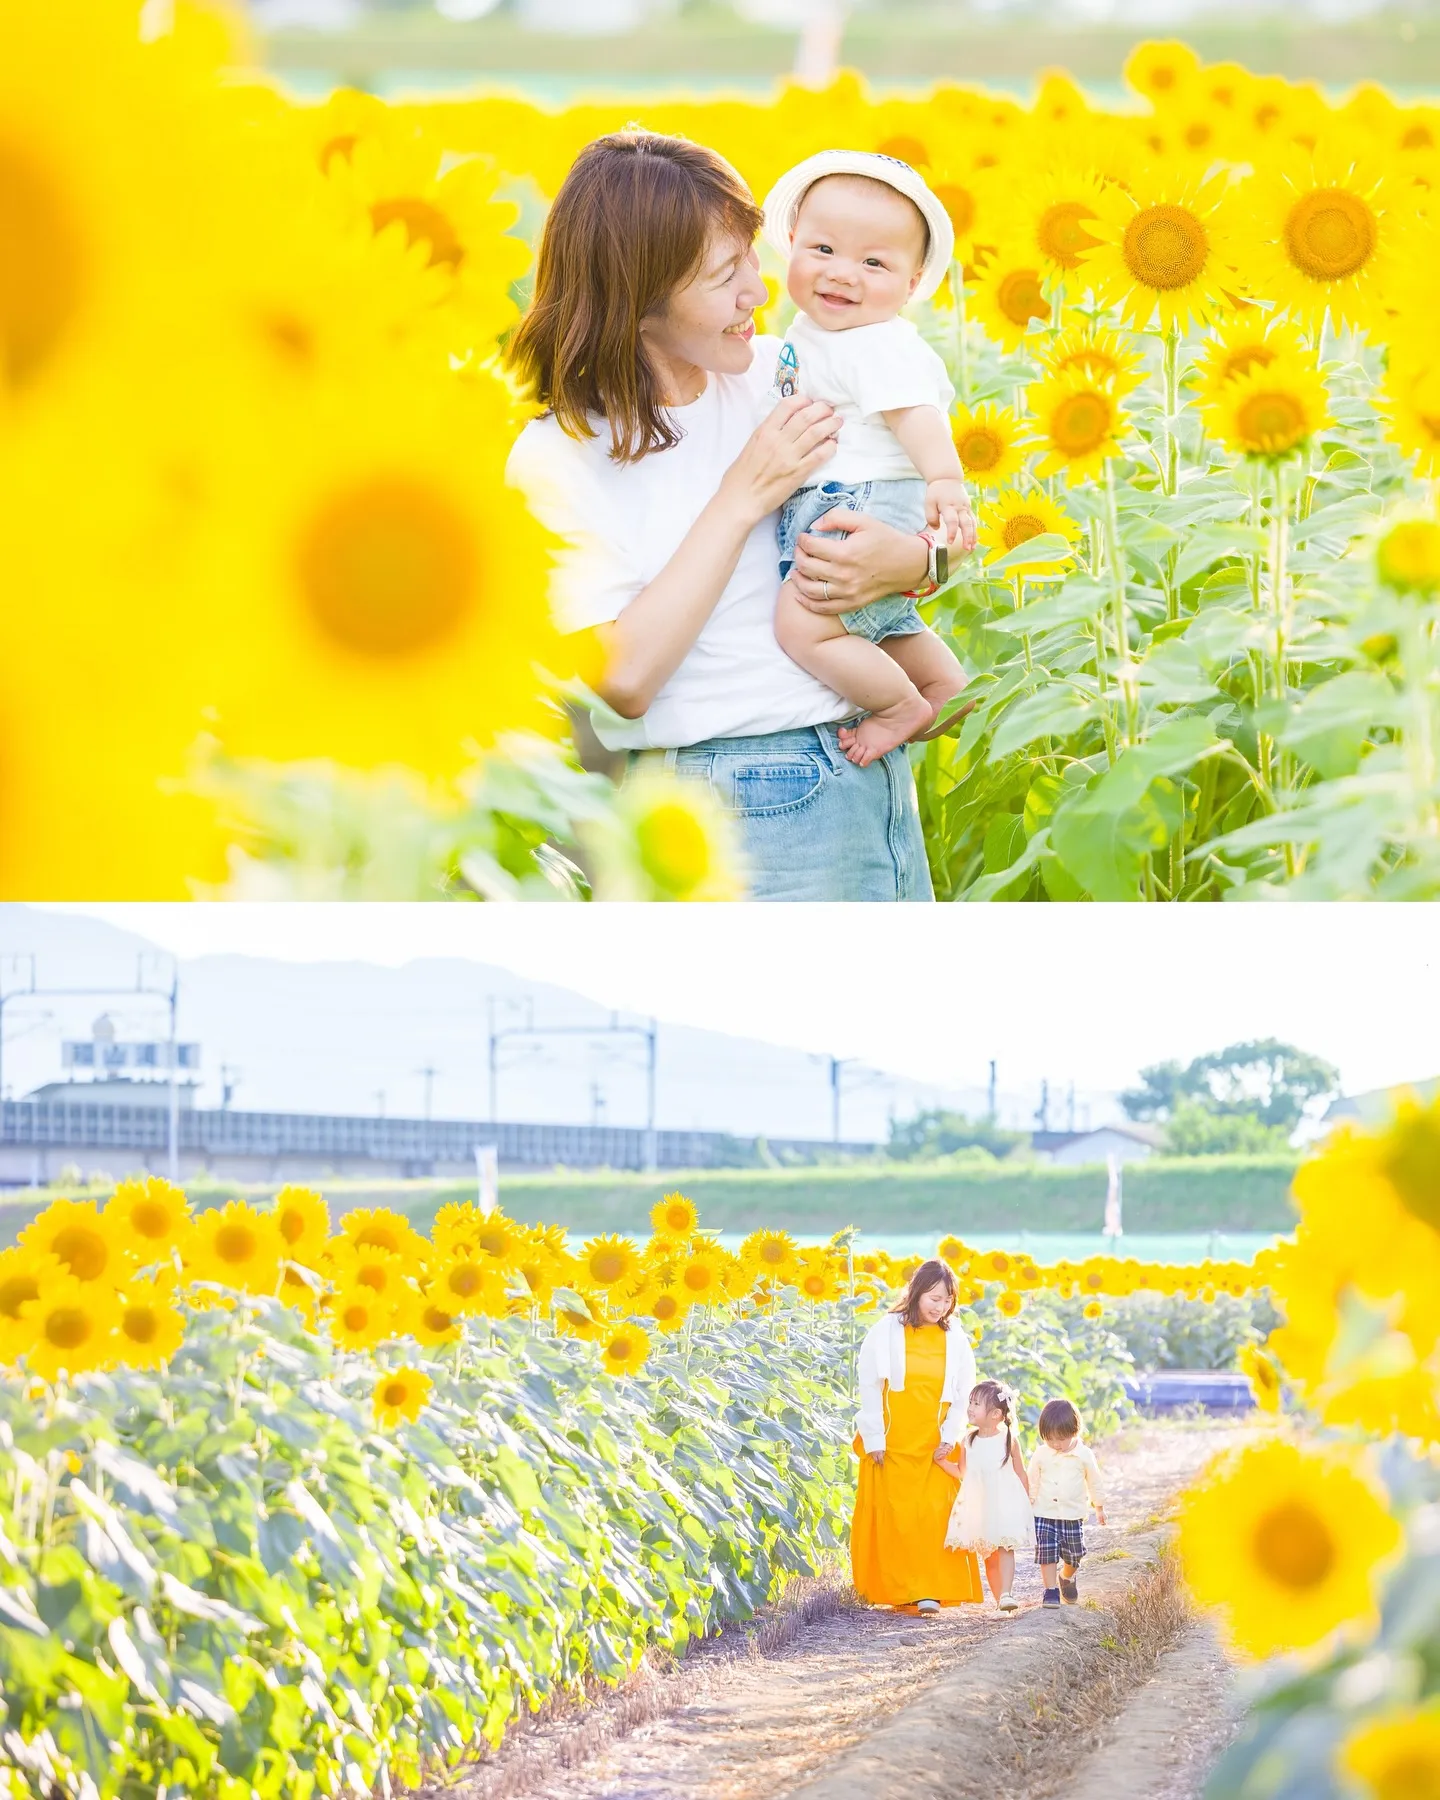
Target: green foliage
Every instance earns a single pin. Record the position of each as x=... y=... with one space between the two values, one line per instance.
x=1262 y=1079
x=1052 y=1352
x=937 y=1133
x=1172 y=1331
x=1218 y=700
x=223 y=1579
x=1195 y=1129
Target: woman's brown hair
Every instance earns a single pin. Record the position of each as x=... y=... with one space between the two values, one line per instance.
x=630 y=226
x=930 y=1274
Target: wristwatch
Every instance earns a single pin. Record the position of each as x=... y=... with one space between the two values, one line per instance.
x=937 y=568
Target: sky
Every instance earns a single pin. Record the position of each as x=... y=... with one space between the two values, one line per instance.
x=1090 y=992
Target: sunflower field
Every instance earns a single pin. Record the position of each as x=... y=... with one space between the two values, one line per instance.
x=253 y=425
x=293 y=1510
x=254 y=419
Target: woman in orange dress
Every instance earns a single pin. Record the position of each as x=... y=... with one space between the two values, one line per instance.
x=916 y=1373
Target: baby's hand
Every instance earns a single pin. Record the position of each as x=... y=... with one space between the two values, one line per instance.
x=1100 y=1514
x=944 y=500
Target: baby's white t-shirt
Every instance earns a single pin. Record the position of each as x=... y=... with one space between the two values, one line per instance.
x=619 y=524
x=864 y=372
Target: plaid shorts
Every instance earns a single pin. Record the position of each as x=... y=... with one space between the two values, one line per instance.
x=1059 y=1541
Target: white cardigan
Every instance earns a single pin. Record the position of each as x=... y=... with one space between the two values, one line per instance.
x=882 y=1363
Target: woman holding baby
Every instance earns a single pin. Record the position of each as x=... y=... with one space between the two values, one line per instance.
x=673 y=438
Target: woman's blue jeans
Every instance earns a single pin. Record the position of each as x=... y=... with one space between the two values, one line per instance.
x=812 y=825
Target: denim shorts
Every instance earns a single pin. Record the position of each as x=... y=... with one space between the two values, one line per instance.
x=897 y=503
x=812 y=826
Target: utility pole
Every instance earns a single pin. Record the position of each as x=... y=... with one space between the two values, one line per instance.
x=379 y=1103
x=991 y=1114
x=1071 y=1109
x=429 y=1075
x=649 y=1033
x=229 y=1081
x=1042 y=1112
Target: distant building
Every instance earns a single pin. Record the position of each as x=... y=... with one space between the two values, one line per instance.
x=114 y=1090
x=1376 y=1106
x=1126 y=1143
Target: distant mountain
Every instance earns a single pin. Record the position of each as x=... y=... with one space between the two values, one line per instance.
x=335 y=1037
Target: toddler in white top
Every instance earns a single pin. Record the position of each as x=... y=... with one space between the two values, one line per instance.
x=1064 y=1485
x=864 y=235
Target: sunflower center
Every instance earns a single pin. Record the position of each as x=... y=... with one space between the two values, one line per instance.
x=40 y=268
x=666 y=1306
x=620 y=1348
x=1162 y=78
x=981 y=449
x=235 y=1244
x=677 y=1218
x=15 y=1293
x=151 y=1219
x=289 y=336
x=292 y=1227
x=1413 y=1164
x=814 y=1284
x=395 y=1393
x=1198 y=133
x=464 y=1280
x=437 y=1319
x=959 y=203
x=376 y=1237
x=1411 y=1773
x=1080 y=423
x=1293 y=1546
x=82 y=1250
x=698 y=1277
x=387 y=568
x=1165 y=247
x=493 y=1243
x=674 y=850
x=1248 y=356
x=1061 y=234
x=1019 y=297
x=607 y=1266
x=373 y=1276
x=355 y=1316
x=424 y=224
x=907 y=150
x=1330 y=234
x=337 y=146
x=140 y=1324
x=1267 y=421
x=67 y=1327
x=1019 y=529
x=1418 y=137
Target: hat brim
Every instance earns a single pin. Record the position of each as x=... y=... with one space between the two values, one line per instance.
x=782 y=205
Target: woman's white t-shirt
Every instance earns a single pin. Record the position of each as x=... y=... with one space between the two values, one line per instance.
x=621 y=523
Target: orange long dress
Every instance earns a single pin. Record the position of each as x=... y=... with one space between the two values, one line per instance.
x=897 y=1537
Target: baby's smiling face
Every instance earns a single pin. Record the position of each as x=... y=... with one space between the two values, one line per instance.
x=858 y=252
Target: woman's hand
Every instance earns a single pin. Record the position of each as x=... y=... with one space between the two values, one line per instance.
x=782 y=454
x=835 y=575
x=943 y=1453
x=878 y=1458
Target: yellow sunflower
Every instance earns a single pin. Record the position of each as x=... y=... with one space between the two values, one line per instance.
x=1407 y=556
x=990 y=441
x=1093 y=1309
x=586 y=1324
x=1410 y=403
x=995 y=1265
x=1263 y=1375
x=1160 y=252
x=1243 y=342
x=150 y=1327
x=1078 y=423
x=379 y=1228
x=237 y=1246
x=772 y=1253
x=67 y=1328
x=1272 y=412
x=973 y=203
x=1056 y=207
x=667 y=1306
x=392 y=183
x=1161 y=70
x=463 y=1284
x=668 y=840
x=1287 y=1542
x=303 y=1221
x=1010 y=1304
x=535 y=1266
x=359 y=1318
x=1009 y=295
x=400 y=1394
x=151 y=1216
x=432 y=1322
x=22 y=1273
x=302 y=1288
x=702 y=1275
x=1103 y=356
x=1397 y=1755
x=87 y=1244
x=624 y=1350
x=609 y=1262
x=674 y=1216
x=356 y=1265
x=1318 y=232
x=1013 y=518
x=815 y=1278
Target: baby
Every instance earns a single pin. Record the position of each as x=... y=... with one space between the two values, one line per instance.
x=864 y=235
x=1064 y=1485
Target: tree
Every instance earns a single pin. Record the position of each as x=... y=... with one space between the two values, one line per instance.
x=1195 y=1129
x=1262 y=1079
x=938 y=1133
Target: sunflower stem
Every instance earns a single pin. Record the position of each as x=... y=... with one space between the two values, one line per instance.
x=1111 y=519
x=962 y=348
x=1017 y=581
x=1171 y=472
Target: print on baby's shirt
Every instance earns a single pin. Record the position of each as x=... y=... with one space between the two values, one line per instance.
x=787 y=372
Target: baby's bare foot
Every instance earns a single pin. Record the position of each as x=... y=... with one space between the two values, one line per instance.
x=885 y=730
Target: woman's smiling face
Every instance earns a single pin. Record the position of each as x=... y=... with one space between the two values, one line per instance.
x=708 y=323
x=933 y=1304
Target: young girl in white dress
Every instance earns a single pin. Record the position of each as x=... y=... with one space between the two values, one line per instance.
x=991 y=1514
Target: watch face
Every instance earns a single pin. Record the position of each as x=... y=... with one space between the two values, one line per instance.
x=941 y=557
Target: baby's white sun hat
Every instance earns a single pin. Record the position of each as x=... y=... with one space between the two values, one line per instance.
x=782 y=205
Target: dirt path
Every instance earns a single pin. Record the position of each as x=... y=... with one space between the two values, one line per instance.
x=761 y=1726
